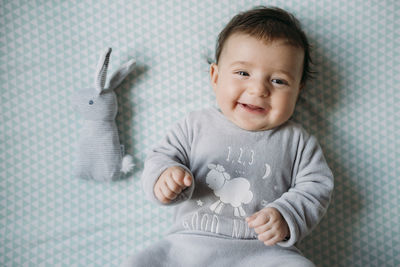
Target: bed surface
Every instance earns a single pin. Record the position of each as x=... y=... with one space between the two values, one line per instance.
x=50 y=48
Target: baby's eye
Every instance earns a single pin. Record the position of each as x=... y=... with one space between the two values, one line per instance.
x=279 y=81
x=243 y=73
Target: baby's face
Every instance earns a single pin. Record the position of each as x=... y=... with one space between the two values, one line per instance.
x=257 y=83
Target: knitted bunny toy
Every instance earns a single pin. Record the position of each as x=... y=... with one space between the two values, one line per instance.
x=100 y=155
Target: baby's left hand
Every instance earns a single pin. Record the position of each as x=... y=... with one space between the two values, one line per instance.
x=270 y=226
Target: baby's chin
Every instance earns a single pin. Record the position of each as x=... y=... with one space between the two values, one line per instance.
x=253 y=126
x=253 y=122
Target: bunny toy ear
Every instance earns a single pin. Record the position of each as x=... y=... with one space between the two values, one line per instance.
x=120 y=74
x=101 y=70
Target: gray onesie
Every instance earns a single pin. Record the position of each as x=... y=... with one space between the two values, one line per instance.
x=236 y=173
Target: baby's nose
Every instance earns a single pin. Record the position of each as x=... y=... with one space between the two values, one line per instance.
x=259 y=89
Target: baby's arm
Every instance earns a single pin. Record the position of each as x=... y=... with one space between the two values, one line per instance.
x=302 y=207
x=171 y=183
x=165 y=165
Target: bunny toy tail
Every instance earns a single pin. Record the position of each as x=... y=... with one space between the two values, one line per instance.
x=127 y=164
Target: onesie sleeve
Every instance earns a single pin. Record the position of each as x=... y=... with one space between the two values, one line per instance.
x=173 y=150
x=307 y=200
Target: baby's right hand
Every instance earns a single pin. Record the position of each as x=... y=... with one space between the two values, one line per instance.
x=171 y=183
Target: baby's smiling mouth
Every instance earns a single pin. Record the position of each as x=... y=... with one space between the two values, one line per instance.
x=251 y=108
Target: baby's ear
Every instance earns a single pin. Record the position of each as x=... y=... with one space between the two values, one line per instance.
x=302 y=85
x=214 y=75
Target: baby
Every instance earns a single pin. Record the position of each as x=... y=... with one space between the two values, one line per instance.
x=247 y=182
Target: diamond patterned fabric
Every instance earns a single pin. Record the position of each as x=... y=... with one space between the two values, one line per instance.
x=49 y=48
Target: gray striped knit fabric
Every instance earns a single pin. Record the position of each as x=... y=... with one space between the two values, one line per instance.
x=100 y=156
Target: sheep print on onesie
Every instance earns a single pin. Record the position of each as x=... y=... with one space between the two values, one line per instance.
x=237 y=173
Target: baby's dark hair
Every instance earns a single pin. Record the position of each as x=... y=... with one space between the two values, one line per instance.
x=269 y=24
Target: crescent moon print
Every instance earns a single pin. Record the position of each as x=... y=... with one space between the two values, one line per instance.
x=267 y=171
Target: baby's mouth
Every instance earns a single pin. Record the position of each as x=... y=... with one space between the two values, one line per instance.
x=251 y=108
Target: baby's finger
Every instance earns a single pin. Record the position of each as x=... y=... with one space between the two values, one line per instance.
x=173 y=186
x=168 y=194
x=160 y=196
x=260 y=219
x=179 y=175
x=252 y=217
x=269 y=238
x=272 y=236
x=262 y=229
x=272 y=241
x=187 y=180
x=265 y=236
